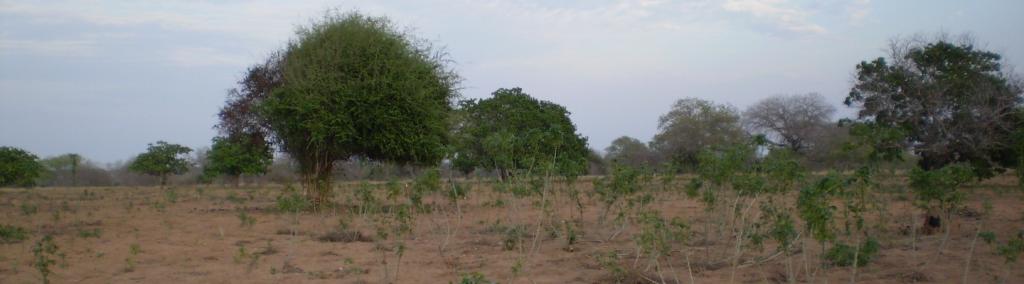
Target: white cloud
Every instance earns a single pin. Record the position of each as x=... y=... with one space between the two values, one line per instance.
x=779 y=14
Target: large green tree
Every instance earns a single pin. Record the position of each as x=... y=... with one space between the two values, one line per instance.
x=18 y=167
x=237 y=156
x=162 y=159
x=512 y=130
x=693 y=125
x=357 y=86
x=954 y=101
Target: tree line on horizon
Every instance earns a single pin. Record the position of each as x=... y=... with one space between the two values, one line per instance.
x=354 y=96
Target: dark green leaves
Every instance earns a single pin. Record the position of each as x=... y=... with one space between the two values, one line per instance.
x=950 y=101
x=236 y=157
x=357 y=86
x=162 y=159
x=18 y=167
x=512 y=130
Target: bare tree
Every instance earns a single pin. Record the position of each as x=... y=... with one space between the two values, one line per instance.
x=796 y=122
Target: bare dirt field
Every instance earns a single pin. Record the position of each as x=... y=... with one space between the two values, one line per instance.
x=238 y=235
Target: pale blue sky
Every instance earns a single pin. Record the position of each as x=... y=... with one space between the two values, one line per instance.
x=103 y=78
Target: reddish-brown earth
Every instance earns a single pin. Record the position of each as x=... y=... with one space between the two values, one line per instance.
x=199 y=238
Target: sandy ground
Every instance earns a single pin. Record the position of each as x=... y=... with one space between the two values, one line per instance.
x=199 y=237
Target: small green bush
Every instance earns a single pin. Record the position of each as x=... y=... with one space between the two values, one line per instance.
x=94 y=233
x=475 y=278
x=44 y=252
x=29 y=209
x=12 y=234
x=246 y=220
x=292 y=202
x=843 y=254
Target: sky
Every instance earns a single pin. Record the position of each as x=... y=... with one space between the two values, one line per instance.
x=104 y=78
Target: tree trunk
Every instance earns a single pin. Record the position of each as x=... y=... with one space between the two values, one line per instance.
x=321 y=187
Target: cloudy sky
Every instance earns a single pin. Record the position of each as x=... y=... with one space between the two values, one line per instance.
x=103 y=78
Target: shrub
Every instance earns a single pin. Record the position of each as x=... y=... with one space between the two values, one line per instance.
x=843 y=254
x=12 y=234
x=474 y=278
x=292 y=201
x=44 y=251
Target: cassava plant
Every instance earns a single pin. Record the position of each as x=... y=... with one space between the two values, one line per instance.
x=940 y=192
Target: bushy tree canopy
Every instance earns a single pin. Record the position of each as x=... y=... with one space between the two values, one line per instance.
x=352 y=85
x=512 y=130
x=693 y=125
x=237 y=156
x=162 y=159
x=18 y=167
x=954 y=102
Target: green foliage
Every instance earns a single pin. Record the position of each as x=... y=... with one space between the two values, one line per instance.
x=171 y=195
x=427 y=182
x=512 y=130
x=368 y=202
x=610 y=262
x=162 y=159
x=292 y=201
x=87 y=233
x=1012 y=249
x=475 y=278
x=237 y=156
x=692 y=126
x=815 y=208
x=64 y=164
x=513 y=237
x=843 y=255
x=621 y=182
x=458 y=191
x=355 y=85
x=44 y=252
x=19 y=167
x=12 y=234
x=954 y=102
x=657 y=235
x=246 y=220
x=988 y=237
x=878 y=142
x=29 y=209
x=940 y=189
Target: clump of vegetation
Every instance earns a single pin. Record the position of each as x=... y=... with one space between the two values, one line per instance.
x=129 y=262
x=246 y=220
x=90 y=233
x=12 y=234
x=171 y=196
x=845 y=255
x=29 y=209
x=45 y=252
x=475 y=278
x=291 y=201
x=20 y=168
x=162 y=159
x=513 y=237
